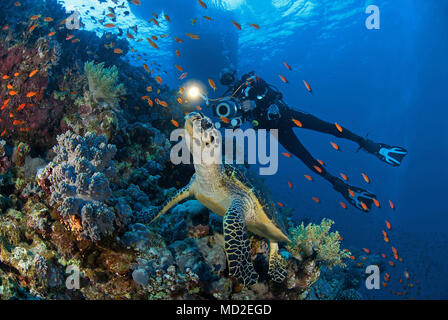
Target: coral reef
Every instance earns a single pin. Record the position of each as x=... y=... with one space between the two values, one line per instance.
x=79 y=184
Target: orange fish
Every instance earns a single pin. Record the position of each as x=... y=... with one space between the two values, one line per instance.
x=30 y=94
x=343 y=205
x=338 y=127
x=179 y=100
x=179 y=68
x=318 y=169
x=316 y=199
x=280 y=204
x=17 y=4
x=391 y=204
x=118 y=51
x=159 y=79
x=237 y=25
x=388 y=225
x=202 y=4
x=153 y=44
x=136 y=2
x=48 y=19
x=163 y=104
x=5 y=77
x=12 y=93
x=193 y=36
x=321 y=162
x=21 y=106
x=149 y=89
x=167 y=18
x=154 y=38
x=51 y=34
x=109 y=25
x=344 y=176
x=308 y=177
x=225 y=120
x=352 y=257
x=384 y=256
x=335 y=146
x=255 y=26
x=351 y=193
x=35 y=17
x=297 y=123
x=290 y=184
x=366 y=178
x=32 y=28
x=17 y=122
x=283 y=78
x=286 y=154
x=376 y=202
x=391 y=263
x=199 y=108
x=3 y=133
x=178 y=39
x=208 y=18
x=364 y=206
x=9 y=86
x=287 y=66
x=145 y=66
x=178 y=53
x=130 y=36
x=32 y=73
x=212 y=84
x=175 y=123
x=308 y=87
x=340 y=237
x=366 y=250
x=69 y=37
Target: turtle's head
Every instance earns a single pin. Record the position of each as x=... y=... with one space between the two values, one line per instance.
x=202 y=134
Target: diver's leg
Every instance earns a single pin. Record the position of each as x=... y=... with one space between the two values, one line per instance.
x=360 y=198
x=311 y=122
x=392 y=155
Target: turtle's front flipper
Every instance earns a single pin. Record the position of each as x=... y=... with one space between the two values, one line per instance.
x=237 y=245
x=180 y=195
x=277 y=265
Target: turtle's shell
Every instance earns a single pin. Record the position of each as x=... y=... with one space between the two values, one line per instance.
x=255 y=186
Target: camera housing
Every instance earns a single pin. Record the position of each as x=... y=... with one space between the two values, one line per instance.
x=229 y=109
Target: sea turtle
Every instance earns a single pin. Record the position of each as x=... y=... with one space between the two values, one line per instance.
x=228 y=191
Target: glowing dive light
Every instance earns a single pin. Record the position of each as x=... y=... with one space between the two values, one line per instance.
x=194 y=92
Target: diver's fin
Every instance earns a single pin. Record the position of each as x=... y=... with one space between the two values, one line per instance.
x=392 y=155
x=358 y=197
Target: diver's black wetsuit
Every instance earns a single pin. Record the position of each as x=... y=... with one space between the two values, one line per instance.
x=271 y=112
x=265 y=96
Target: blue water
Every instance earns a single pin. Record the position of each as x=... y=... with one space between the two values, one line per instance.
x=388 y=83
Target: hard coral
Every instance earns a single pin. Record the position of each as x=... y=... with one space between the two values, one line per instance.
x=79 y=184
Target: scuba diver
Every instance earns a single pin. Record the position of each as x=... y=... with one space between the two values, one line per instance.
x=254 y=100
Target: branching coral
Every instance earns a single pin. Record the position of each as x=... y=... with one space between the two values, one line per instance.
x=103 y=85
x=317 y=240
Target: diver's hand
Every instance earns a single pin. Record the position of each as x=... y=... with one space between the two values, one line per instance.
x=357 y=197
x=247 y=105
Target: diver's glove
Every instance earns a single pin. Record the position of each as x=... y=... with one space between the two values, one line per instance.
x=358 y=197
x=390 y=154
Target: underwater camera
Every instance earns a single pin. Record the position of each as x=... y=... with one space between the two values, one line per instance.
x=228 y=109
